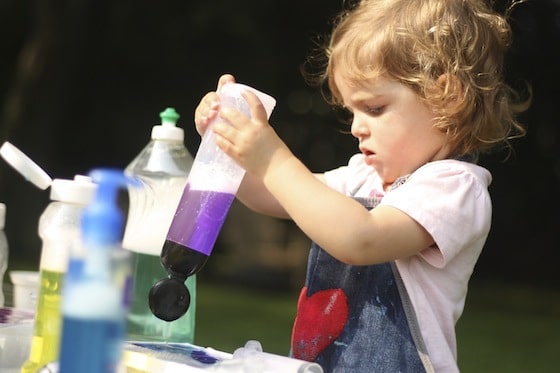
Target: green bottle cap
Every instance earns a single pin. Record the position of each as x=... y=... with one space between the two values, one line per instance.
x=168 y=129
x=169 y=116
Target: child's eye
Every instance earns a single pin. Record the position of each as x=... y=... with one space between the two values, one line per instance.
x=375 y=110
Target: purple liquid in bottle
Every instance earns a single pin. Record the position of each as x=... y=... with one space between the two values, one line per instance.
x=189 y=242
x=199 y=218
x=194 y=230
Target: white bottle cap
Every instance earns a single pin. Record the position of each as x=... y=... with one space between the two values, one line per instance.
x=2 y=215
x=168 y=129
x=25 y=166
x=80 y=190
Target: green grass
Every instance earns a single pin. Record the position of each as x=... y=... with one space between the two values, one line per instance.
x=510 y=329
x=227 y=317
x=503 y=329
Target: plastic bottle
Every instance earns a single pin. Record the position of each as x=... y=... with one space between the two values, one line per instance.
x=94 y=302
x=162 y=168
x=211 y=187
x=32 y=173
x=59 y=229
x=3 y=251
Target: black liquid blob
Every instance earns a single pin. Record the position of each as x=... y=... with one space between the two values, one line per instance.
x=181 y=261
x=169 y=298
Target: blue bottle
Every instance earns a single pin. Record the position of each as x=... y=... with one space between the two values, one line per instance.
x=94 y=302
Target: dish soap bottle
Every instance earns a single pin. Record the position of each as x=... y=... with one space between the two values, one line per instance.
x=95 y=302
x=211 y=187
x=59 y=229
x=161 y=168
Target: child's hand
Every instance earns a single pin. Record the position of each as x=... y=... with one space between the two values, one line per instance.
x=208 y=108
x=251 y=142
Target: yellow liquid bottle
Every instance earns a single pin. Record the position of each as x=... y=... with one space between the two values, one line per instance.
x=47 y=328
x=59 y=229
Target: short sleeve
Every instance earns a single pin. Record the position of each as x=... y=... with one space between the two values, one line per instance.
x=450 y=200
x=347 y=179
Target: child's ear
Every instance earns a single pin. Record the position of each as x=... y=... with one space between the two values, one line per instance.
x=451 y=88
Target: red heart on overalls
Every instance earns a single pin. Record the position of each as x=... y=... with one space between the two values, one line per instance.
x=320 y=320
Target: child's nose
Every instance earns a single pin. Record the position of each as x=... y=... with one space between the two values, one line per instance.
x=358 y=128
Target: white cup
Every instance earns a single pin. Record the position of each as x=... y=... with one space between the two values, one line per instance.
x=15 y=341
x=26 y=288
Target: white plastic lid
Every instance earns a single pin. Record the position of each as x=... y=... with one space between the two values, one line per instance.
x=168 y=129
x=80 y=190
x=168 y=132
x=2 y=215
x=25 y=166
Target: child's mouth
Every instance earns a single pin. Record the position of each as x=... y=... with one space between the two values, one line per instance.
x=369 y=156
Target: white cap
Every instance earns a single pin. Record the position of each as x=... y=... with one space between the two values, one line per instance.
x=168 y=132
x=168 y=129
x=2 y=215
x=80 y=190
x=25 y=166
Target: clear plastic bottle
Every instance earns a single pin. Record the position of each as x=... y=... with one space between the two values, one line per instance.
x=59 y=229
x=162 y=168
x=204 y=205
x=3 y=251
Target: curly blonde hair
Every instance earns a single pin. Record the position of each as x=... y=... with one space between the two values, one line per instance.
x=418 y=42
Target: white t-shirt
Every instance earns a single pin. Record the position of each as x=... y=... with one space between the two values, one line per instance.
x=450 y=199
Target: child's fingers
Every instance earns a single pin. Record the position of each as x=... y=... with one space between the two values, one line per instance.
x=209 y=106
x=206 y=111
x=225 y=78
x=258 y=111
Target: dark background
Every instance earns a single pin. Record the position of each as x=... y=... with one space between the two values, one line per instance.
x=83 y=81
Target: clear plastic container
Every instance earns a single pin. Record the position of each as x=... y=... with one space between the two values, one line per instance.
x=204 y=205
x=162 y=168
x=25 y=289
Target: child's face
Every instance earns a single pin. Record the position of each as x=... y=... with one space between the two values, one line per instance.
x=393 y=126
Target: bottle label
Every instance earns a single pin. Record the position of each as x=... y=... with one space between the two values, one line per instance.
x=90 y=346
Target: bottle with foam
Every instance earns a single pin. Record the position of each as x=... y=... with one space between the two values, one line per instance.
x=161 y=168
x=211 y=187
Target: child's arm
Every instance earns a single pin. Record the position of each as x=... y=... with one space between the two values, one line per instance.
x=336 y=222
x=254 y=194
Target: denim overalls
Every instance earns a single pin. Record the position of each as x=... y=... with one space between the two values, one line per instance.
x=357 y=318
